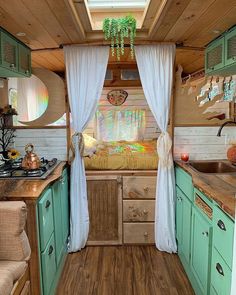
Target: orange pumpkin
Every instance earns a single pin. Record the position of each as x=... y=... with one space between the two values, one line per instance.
x=231 y=154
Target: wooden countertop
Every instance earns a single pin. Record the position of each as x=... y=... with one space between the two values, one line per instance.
x=23 y=189
x=219 y=187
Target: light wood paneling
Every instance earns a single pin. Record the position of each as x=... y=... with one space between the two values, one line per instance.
x=138 y=210
x=105 y=210
x=140 y=233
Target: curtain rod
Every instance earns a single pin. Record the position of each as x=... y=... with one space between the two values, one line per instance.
x=178 y=46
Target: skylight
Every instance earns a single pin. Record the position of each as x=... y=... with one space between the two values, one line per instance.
x=118 y=5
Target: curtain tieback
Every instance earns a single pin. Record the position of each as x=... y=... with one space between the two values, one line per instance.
x=77 y=142
x=164 y=145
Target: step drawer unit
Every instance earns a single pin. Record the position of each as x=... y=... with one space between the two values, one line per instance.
x=222 y=252
x=139 y=193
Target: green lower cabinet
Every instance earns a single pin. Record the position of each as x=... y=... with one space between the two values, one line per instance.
x=220 y=274
x=65 y=205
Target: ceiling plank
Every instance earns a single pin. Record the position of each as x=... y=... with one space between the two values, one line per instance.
x=166 y=17
x=189 y=16
x=214 y=18
x=83 y=14
x=150 y=12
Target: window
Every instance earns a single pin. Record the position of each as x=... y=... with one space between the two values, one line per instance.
x=115 y=125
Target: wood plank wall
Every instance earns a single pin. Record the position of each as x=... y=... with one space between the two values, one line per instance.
x=201 y=142
x=49 y=143
x=135 y=100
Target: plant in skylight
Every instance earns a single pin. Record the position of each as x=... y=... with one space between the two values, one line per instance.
x=116 y=30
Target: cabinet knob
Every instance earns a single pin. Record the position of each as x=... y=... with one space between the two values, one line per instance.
x=145 y=235
x=27 y=72
x=146 y=189
x=212 y=68
x=205 y=233
x=12 y=66
x=145 y=212
x=221 y=225
x=219 y=269
x=48 y=203
x=234 y=58
x=50 y=250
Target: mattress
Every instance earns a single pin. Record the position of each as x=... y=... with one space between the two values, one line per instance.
x=123 y=155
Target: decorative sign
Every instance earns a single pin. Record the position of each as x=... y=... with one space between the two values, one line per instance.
x=117 y=97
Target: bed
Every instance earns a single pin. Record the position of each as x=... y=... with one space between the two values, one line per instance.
x=124 y=155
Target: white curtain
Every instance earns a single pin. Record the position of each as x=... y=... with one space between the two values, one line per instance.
x=115 y=125
x=85 y=73
x=233 y=280
x=155 y=65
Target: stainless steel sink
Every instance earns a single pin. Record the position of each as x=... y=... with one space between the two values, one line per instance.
x=212 y=167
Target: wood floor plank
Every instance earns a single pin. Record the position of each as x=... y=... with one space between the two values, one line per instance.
x=123 y=270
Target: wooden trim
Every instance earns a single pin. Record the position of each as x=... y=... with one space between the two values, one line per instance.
x=19 y=285
x=117 y=173
x=40 y=127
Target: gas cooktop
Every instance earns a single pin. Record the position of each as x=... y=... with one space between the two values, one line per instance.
x=14 y=170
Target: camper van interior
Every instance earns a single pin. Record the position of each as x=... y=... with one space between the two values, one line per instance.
x=117 y=147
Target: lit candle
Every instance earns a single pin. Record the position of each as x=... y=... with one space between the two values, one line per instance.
x=184 y=157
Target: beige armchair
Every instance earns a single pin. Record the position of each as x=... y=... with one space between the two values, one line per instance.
x=14 y=249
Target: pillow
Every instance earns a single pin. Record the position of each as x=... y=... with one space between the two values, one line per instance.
x=90 y=145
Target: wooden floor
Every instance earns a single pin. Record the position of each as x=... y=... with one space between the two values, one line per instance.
x=124 y=270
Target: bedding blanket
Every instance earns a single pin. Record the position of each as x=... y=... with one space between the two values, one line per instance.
x=124 y=155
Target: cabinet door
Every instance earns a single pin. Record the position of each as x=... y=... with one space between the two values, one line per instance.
x=230 y=48
x=183 y=225
x=9 y=52
x=214 y=57
x=24 y=60
x=65 y=205
x=58 y=226
x=200 y=250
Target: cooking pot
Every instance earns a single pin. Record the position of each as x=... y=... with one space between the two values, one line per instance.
x=31 y=161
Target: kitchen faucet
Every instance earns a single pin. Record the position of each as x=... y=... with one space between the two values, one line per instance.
x=223 y=125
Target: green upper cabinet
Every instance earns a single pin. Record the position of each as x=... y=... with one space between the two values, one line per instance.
x=230 y=48
x=24 y=60
x=15 y=57
x=214 y=56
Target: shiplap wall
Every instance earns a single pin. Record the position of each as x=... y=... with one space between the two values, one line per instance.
x=201 y=142
x=135 y=100
x=49 y=143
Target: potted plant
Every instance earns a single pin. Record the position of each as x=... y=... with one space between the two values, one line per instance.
x=116 y=30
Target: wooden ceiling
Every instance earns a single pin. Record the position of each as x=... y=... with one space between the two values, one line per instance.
x=50 y=23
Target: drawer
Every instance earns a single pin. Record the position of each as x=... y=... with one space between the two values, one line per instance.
x=220 y=274
x=139 y=187
x=138 y=210
x=184 y=182
x=139 y=233
x=223 y=235
x=45 y=210
x=26 y=289
x=48 y=262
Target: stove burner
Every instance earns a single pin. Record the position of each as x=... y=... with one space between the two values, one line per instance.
x=5 y=173
x=36 y=172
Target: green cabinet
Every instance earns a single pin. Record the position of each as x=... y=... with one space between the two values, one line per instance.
x=53 y=229
x=15 y=57
x=201 y=250
x=220 y=55
x=214 y=56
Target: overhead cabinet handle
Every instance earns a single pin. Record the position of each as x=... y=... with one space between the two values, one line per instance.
x=219 y=269
x=48 y=203
x=221 y=225
x=50 y=250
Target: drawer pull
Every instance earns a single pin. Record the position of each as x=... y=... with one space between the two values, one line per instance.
x=50 y=250
x=145 y=235
x=145 y=212
x=48 y=203
x=205 y=234
x=12 y=66
x=221 y=225
x=219 y=269
x=146 y=189
x=179 y=199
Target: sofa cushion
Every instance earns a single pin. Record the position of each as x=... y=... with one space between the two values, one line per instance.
x=14 y=244
x=6 y=282
x=16 y=268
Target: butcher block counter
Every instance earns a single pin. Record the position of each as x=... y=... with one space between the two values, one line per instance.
x=47 y=225
x=219 y=187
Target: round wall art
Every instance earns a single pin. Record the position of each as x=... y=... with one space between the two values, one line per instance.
x=117 y=96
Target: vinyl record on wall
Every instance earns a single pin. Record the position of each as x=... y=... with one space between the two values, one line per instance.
x=117 y=97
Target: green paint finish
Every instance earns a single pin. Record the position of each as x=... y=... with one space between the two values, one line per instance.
x=179 y=216
x=184 y=182
x=24 y=60
x=57 y=213
x=230 y=49
x=198 y=193
x=9 y=52
x=214 y=55
x=65 y=205
x=223 y=235
x=220 y=275
x=201 y=250
x=45 y=211
x=213 y=291
x=48 y=261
